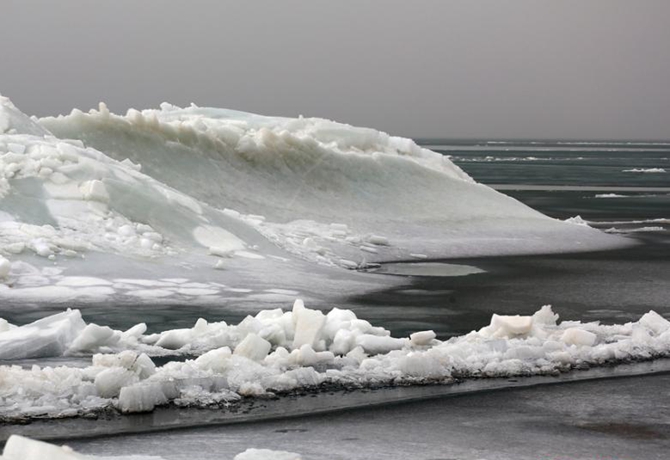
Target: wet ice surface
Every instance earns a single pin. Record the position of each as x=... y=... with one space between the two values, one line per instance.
x=427 y=269
x=623 y=418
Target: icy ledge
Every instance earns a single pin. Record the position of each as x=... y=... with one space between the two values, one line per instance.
x=20 y=448
x=277 y=352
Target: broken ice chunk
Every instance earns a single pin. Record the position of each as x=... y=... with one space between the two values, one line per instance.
x=253 y=347
x=509 y=326
x=5 y=267
x=141 y=397
x=46 y=337
x=377 y=240
x=580 y=337
x=655 y=322
x=422 y=338
x=215 y=360
x=308 y=325
x=94 y=190
x=376 y=345
x=92 y=337
x=110 y=381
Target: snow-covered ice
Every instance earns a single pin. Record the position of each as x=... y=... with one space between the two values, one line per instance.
x=280 y=351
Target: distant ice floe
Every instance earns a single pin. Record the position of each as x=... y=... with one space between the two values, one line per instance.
x=636 y=230
x=659 y=220
x=22 y=448
x=645 y=170
x=279 y=351
x=503 y=159
x=610 y=195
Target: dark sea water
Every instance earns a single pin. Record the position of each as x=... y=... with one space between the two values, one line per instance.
x=565 y=179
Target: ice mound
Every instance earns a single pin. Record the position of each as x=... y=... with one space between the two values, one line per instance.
x=257 y=199
x=326 y=191
x=279 y=351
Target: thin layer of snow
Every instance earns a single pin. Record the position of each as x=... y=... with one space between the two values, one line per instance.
x=279 y=351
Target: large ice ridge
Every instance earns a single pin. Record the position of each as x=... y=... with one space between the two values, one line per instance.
x=201 y=188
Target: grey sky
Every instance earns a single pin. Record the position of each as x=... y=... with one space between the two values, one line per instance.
x=494 y=69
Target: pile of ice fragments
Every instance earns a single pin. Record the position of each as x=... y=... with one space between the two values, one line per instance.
x=279 y=351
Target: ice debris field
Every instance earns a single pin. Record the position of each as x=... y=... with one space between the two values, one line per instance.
x=159 y=194
x=279 y=351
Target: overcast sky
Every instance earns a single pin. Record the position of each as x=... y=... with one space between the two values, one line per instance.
x=489 y=69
